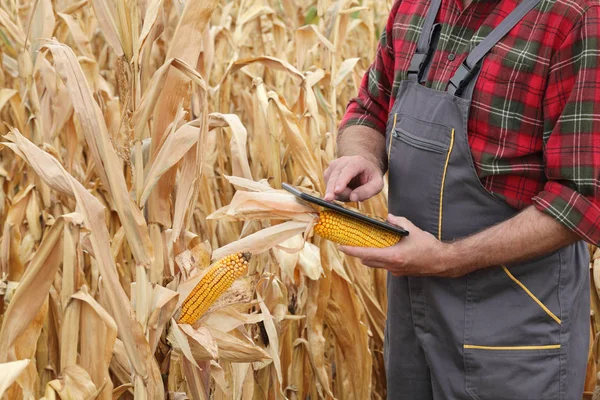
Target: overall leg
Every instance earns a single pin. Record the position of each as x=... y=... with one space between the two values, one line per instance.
x=407 y=372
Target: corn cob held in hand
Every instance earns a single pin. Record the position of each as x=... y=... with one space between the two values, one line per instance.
x=213 y=284
x=345 y=230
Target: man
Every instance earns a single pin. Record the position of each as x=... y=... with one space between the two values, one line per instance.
x=486 y=116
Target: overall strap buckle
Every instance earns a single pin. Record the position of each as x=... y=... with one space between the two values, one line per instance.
x=462 y=77
x=416 y=65
x=419 y=61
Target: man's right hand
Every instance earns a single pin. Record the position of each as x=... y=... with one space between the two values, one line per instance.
x=352 y=178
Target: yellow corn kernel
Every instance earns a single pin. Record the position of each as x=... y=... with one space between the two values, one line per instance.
x=345 y=230
x=213 y=284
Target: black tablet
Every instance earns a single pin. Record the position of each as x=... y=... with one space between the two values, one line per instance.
x=335 y=207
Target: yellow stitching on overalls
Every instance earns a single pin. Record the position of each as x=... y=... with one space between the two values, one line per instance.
x=391 y=139
x=550 y=313
x=547 y=347
x=442 y=188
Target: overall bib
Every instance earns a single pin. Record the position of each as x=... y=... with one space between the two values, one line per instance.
x=508 y=332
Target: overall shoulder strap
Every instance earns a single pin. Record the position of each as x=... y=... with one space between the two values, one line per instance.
x=424 y=51
x=470 y=66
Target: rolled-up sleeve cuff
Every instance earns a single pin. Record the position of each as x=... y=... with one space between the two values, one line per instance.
x=357 y=115
x=572 y=209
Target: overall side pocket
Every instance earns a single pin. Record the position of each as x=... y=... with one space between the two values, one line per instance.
x=512 y=373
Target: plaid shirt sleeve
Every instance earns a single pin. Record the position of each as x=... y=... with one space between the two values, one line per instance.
x=572 y=131
x=371 y=106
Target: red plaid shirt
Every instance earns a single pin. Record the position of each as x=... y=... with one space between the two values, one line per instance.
x=534 y=124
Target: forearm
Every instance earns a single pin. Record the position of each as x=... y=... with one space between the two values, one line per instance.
x=361 y=140
x=529 y=234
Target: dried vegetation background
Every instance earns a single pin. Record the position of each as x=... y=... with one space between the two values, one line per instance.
x=105 y=231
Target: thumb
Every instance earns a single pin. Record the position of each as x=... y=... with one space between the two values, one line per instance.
x=368 y=190
x=400 y=222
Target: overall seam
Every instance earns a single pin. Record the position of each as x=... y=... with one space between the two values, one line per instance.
x=561 y=358
x=391 y=138
x=443 y=182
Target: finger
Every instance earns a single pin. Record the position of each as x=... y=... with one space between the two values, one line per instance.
x=344 y=196
x=368 y=253
x=349 y=171
x=330 y=168
x=331 y=182
x=374 y=264
x=369 y=189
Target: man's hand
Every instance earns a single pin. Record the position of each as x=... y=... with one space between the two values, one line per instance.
x=353 y=178
x=418 y=254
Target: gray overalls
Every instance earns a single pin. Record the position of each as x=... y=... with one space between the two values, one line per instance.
x=508 y=332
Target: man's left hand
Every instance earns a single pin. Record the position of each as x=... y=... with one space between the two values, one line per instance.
x=418 y=254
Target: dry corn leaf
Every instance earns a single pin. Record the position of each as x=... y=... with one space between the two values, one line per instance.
x=164 y=302
x=74 y=384
x=273 y=347
x=9 y=372
x=239 y=159
x=5 y=95
x=345 y=68
x=79 y=37
x=271 y=62
x=105 y=12
x=152 y=11
x=32 y=291
x=246 y=184
x=154 y=90
x=195 y=379
x=15 y=32
x=97 y=340
x=175 y=147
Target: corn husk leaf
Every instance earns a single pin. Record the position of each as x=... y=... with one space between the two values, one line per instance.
x=262 y=240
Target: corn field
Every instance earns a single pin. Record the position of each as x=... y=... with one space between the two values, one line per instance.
x=142 y=141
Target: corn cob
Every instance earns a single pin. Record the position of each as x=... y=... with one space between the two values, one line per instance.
x=213 y=284
x=345 y=230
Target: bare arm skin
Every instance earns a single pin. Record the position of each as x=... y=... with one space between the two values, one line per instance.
x=529 y=234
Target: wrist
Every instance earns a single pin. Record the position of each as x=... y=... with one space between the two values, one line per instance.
x=453 y=259
x=375 y=161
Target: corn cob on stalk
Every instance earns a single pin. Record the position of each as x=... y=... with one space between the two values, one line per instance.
x=213 y=284
x=345 y=230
